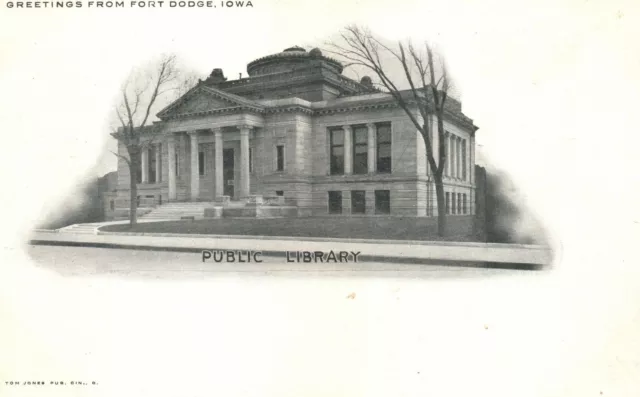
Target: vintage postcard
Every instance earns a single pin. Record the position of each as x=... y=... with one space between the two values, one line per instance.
x=351 y=198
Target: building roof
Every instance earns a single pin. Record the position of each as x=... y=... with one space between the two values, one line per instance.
x=290 y=55
x=294 y=66
x=230 y=101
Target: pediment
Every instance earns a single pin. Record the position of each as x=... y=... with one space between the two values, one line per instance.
x=203 y=100
x=200 y=102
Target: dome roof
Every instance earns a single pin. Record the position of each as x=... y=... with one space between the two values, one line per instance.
x=295 y=48
x=288 y=59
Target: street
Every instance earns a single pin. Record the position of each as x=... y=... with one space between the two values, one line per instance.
x=83 y=261
x=164 y=323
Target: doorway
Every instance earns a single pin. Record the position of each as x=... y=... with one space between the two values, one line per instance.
x=228 y=172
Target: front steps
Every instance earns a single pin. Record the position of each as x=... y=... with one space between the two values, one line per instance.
x=259 y=212
x=178 y=210
x=210 y=210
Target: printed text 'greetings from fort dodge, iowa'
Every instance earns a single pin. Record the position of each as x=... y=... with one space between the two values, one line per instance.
x=131 y=4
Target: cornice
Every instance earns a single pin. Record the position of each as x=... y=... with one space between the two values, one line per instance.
x=454 y=117
x=451 y=116
x=356 y=107
x=231 y=110
x=290 y=109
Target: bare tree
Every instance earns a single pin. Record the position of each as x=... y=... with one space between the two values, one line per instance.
x=185 y=82
x=428 y=90
x=141 y=94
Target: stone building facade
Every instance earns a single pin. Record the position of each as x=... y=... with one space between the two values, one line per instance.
x=299 y=129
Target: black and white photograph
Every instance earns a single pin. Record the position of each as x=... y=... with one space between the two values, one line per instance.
x=279 y=198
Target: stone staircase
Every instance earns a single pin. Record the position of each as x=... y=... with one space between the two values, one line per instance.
x=178 y=210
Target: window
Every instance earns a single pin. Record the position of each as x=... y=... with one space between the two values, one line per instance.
x=383 y=139
x=383 y=202
x=358 y=202
x=279 y=192
x=360 y=138
x=447 y=206
x=335 y=202
x=464 y=203
x=280 y=158
x=177 y=164
x=250 y=159
x=139 y=174
x=112 y=205
x=336 y=143
x=201 y=163
x=459 y=203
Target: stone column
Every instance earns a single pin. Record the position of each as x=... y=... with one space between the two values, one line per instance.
x=447 y=151
x=348 y=150
x=465 y=161
x=371 y=148
x=144 y=165
x=472 y=174
x=459 y=158
x=245 y=183
x=158 y=163
x=454 y=156
x=434 y=148
x=171 y=154
x=472 y=160
x=195 y=172
x=218 y=180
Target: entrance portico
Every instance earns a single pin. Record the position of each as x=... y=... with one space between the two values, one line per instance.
x=224 y=180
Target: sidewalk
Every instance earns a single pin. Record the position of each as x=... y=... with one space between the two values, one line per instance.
x=454 y=253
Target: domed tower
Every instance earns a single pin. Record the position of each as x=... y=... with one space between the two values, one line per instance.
x=294 y=73
x=290 y=59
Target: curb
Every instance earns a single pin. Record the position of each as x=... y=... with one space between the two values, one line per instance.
x=328 y=240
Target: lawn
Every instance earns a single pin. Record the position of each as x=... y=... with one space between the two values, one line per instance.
x=392 y=228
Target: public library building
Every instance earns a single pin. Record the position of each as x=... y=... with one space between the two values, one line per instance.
x=298 y=133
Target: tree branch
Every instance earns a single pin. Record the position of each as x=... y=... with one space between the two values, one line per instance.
x=122 y=157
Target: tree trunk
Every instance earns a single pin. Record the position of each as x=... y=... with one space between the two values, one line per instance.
x=134 y=166
x=442 y=210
